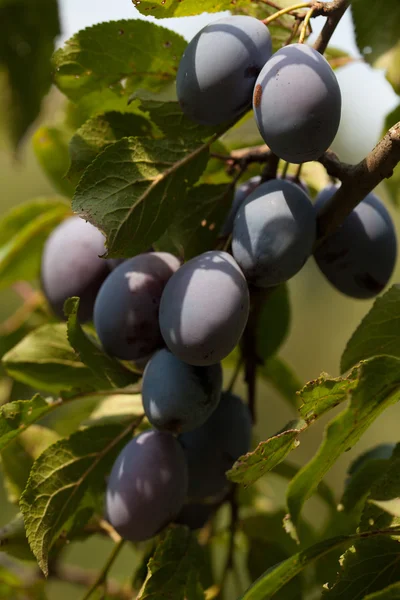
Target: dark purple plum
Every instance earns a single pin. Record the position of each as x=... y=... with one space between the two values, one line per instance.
x=126 y=308
x=71 y=266
x=147 y=486
x=297 y=103
x=274 y=232
x=179 y=397
x=359 y=257
x=219 y=67
x=241 y=193
x=212 y=449
x=204 y=309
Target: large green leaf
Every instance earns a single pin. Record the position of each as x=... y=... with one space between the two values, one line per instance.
x=378 y=333
x=378 y=387
x=273 y=322
x=172 y=122
x=114 y=59
x=27 y=33
x=173 y=570
x=197 y=224
x=106 y=370
x=377 y=26
x=23 y=231
x=253 y=465
x=269 y=584
x=133 y=189
x=98 y=133
x=393 y=183
x=45 y=360
x=66 y=474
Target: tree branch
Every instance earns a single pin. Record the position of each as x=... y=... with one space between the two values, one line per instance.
x=334 y=11
x=357 y=180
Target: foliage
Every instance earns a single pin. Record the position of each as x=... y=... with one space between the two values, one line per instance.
x=125 y=157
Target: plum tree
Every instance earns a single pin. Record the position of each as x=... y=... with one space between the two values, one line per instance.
x=218 y=69
x=212 y=449
x=147 y=485
x=274 y=232
x=126 y=308
x=177 y=396
x=297 y=103
x=71 y=266
x=359 y=257
x=204 y=308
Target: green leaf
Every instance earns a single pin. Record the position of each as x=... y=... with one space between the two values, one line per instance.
x=393 y=183
x=23 y=231
x=115 y=59
x=274 y=579
x=50 y=145
x=133 y=189
x=98 y=133
x=197 y=224
x=337 y=57
x=392 y=64
x=116 y=408
x=278 y=373
x=45 y=360
x=253 y=465
x=322 y=394
x=106 y=370
x=63 y=476
x=27 y=33
x=377 y=388
x=378 y=333
x=15 y=417
x=13 y=585
x=173 y=570
x=377 y=27
x=162 y=9
x=389 y=593
x=367 y=567
x=172 y=122
x=273 y=322
x=18 y=457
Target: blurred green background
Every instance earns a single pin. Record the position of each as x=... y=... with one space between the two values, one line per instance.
x=322 y=319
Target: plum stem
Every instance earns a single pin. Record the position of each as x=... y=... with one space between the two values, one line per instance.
x=305 y=25
x=284 y=11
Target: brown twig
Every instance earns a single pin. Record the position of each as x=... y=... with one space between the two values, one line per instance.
x=357 y=180
x=334 y=11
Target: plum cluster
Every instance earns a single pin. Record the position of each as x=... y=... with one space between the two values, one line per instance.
x=296 y=98
x=177 y=322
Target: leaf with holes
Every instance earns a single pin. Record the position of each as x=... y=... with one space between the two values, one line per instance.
x=253 y=465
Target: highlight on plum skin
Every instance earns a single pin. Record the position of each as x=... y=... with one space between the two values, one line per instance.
x=297 y=103
x=126 y=308
x=204 y=308
x=177 y=396
x=71 y=266
x=274 y=232
x=219 y=67
x=147 y=486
